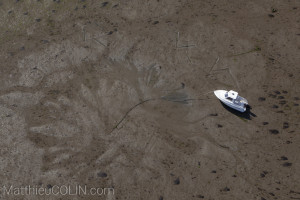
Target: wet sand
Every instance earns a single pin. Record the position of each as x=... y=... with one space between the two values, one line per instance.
x=73 y=73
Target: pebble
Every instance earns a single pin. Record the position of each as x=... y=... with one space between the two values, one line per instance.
x=102 y=174
x=177 y=181
x=274 y=131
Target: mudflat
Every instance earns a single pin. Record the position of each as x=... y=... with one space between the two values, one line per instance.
x=118 y=96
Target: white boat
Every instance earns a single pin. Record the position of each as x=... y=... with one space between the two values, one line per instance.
x=232 y=99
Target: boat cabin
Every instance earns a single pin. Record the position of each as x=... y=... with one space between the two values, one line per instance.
x=234 y=98
x=231 y=95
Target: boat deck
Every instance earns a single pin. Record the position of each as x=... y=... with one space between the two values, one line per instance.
x=240 y=101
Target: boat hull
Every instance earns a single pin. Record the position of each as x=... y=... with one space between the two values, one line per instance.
x=220 y=94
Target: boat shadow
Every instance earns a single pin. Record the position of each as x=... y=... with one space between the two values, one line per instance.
x=244 y=115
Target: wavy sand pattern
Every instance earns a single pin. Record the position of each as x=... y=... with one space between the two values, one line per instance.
x=119 y=94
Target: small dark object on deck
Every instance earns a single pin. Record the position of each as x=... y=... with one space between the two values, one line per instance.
x=261 y=99
x=156 y=22
x=270 y=15
x=265 y=123
x=38 y=20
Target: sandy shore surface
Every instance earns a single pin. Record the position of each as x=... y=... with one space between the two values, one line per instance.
x=73 y=72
